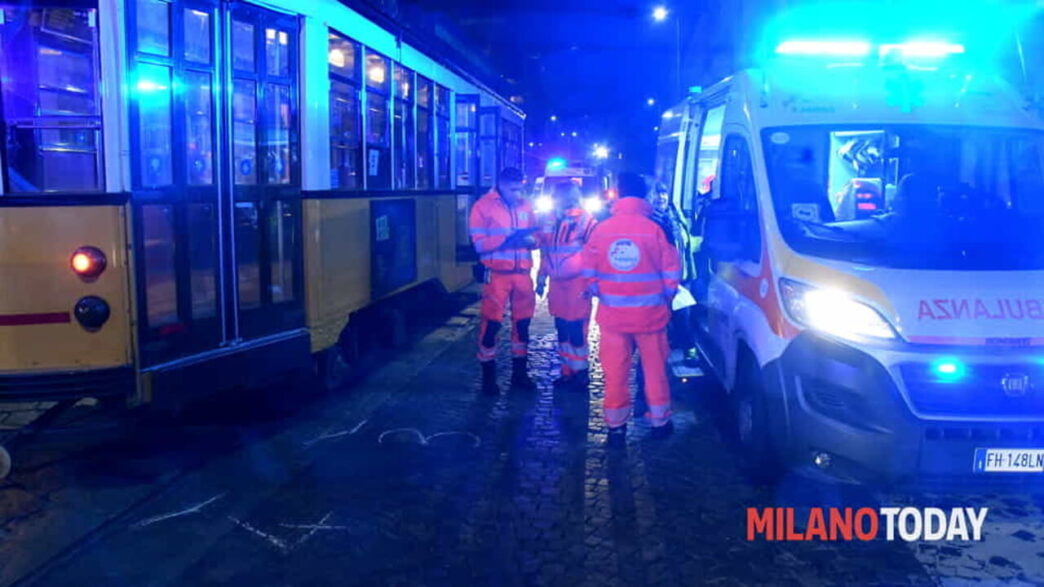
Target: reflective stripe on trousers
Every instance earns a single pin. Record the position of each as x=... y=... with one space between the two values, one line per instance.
x=573 y=358
x=615 y=351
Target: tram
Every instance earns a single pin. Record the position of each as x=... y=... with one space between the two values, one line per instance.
x=205 y=194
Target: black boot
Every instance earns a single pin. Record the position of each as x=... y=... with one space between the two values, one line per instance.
x=489 y=378
x=663 y=431
x=583 y=378
x=617 y=437
x=519 y=377
x=565 y=381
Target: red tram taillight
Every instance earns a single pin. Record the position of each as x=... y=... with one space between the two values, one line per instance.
x=88 y=262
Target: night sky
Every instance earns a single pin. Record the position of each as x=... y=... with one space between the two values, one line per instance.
x=592 y=64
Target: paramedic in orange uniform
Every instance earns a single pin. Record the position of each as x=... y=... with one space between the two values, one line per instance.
x=634 y=272
x=501 y=227
x=568 y=300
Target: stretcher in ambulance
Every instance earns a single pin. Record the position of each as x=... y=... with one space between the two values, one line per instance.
x=870 y=267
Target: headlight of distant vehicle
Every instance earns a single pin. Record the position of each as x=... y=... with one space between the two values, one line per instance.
x=593 y=204
x=544 y=204
x=833 y=312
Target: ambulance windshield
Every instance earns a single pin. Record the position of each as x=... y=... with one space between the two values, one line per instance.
x=916 y=197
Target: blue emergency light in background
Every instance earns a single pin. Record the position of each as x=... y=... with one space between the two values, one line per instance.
x=556 y=164
x=860 y=48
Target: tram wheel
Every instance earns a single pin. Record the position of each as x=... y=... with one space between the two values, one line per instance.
x=5 y=463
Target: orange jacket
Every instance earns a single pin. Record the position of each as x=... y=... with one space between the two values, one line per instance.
x=632 y=269
x=492 y=222
x=563 y=244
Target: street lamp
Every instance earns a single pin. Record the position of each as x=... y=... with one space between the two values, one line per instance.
x=660 y=14
x=601 y=152
x=651 y=102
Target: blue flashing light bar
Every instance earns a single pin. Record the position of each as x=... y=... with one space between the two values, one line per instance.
x=556 y=164
x=924 y=49
x=837 y=48
x=858 y=48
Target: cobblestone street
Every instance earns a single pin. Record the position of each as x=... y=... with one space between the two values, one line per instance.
x=413 y=478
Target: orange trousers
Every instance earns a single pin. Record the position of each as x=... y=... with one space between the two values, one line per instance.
x=504 y=289
x=616 y=350
x=570 y=304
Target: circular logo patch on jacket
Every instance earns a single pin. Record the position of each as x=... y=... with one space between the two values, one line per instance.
x=624 y=254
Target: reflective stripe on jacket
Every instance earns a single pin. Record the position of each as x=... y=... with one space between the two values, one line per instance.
x=563 y=245
x=491 y=222
x=632 y=269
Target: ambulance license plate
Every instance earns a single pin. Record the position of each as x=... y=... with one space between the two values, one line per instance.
x=1008 y=460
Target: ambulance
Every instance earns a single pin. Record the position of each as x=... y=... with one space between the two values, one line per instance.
x=868 y=222
x=592 y=182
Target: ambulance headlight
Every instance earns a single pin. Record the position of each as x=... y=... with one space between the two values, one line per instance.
x=834 y=313
x=593 y=204
x=544 y=204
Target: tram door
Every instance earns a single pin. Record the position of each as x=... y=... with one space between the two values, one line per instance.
x=216 y=198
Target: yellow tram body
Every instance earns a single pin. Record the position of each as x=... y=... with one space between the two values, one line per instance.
x=250 y=178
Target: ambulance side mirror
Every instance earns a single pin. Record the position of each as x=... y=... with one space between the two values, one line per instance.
x=724 y=234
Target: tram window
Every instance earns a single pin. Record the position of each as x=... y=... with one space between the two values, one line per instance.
x=466 y=139
x=153 y=25
x=154 y=102
x=376 y=72
x=161 y=290
x=512 y=145
x=344 y=136
x=277 y=133
x=199 y=147
x=425 y=136
x=342 y=57
x=53 y=160
x=442 y=134
x=424 y=162
x=49 y=66
x=377 y=151
x=488 y=138
x=487 y=161
x=277 y=52
x=282 y=238
x=244 y=131
x=377 y=119
x=242 y=46
x=66 y=82
x=202 y=255
x=403 y=141
x=197 y=35
x=248 y=254
x=423 y=92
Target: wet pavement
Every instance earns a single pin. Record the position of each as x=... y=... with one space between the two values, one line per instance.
x=411 y=478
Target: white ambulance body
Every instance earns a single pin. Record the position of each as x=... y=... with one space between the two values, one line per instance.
x=870 y=265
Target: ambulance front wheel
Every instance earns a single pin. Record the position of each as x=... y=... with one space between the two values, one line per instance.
x=761 y=463
x=5 y=463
